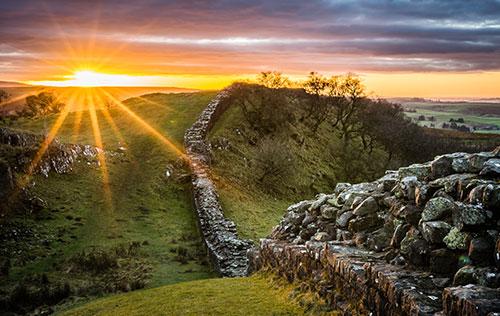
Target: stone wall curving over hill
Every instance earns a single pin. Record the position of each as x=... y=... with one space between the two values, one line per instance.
x=226 y=250
x=421 y=240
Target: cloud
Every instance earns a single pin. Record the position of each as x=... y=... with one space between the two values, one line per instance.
x=205 y=36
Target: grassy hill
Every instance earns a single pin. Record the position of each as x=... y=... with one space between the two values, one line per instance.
x=146 y=224
x=257 y=206
x=239 y=296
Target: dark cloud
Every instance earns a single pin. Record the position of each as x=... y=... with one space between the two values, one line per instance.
x=364 y=35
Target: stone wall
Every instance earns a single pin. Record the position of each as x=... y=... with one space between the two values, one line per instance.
x=226 y=250
x=421 y=240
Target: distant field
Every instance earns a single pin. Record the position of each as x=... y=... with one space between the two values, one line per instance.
x=483 y=117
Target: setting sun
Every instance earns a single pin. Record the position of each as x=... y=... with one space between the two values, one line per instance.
x=91 y=78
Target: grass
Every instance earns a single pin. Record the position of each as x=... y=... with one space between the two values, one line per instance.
x=254 y=207
x=238 y=296
x=143 y=205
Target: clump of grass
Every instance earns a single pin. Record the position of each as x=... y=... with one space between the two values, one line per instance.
x=97 y=260
x=32 y=292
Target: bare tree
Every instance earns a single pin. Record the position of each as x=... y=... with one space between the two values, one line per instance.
x=273 y=80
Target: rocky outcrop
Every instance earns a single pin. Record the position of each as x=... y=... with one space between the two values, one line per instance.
x=226 y=250
x=420 y=240
x=58 y=157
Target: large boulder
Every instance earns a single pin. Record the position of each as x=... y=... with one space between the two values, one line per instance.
x=467 y=216
x=365 y=223
x=344 y=219
x=441 y=166
x=443 y=261
x=366 y=207
x=437 y=208
x=328 y=212
x=420 y=171
x=457 y=240
x=481 y=250
x=435 y=231
x=414 y=248
x=491 y=167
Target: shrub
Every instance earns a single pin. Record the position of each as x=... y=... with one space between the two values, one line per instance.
x=266 y=110
x=274 y=163
x=42 y=104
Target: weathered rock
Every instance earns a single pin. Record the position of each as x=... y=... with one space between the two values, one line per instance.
x=464 y=276
x=435 y=231
x=491 y=198
x=405 y=218
x=300 y=207
x=328 y=212
x=443 y=261
x=407 y=187
x=410 y=214
x=437 y=208
x=388 y=181
x=321 y=236
x=320 y=200
x=441 y=166
x=366 y=207
x=422 y=194
x=308 y=219
x=481 y=250
x=365 y=223
x=414 y=248
x=471 y=300
x=457 y=239
x=420 y=171
x=344 y=219
x=467 y=216
x=491 y=168
x=341 y=186
x=399 y=235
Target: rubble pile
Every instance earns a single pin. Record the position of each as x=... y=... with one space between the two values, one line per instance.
x=430 y=228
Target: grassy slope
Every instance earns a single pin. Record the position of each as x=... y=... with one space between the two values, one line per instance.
x=245 y=201
x=146 y=206
x=239 y=296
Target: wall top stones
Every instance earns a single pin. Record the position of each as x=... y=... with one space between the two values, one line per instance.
x=226 y=250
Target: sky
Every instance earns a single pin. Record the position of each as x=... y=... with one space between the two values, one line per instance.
x=399 y=48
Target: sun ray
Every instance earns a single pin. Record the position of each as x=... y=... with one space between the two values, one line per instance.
x=148 y=127
x=100 y=154
x=49 y=138
x=22 y=96
x=78 y=118
x=163 y=106
x=107 y=115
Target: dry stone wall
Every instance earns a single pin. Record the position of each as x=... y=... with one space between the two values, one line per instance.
x=226 y=250
x=421 y=240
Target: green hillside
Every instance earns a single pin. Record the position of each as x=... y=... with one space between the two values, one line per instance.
x=239 y=296
x=148 y=227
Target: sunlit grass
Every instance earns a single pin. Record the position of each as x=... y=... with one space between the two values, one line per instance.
x=136 y=182
x=255 y=295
